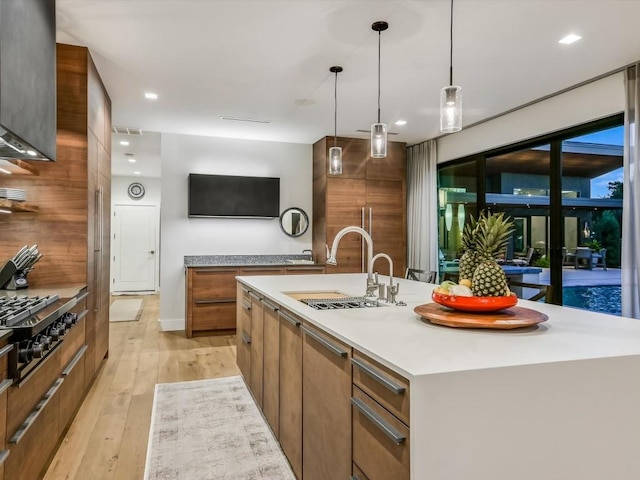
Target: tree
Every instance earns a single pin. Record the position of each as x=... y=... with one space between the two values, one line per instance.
x=607 y=230
x=615 y=190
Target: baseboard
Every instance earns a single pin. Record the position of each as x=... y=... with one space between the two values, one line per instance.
x=171 y=324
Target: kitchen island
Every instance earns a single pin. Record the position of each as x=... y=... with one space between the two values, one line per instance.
x=556 y=401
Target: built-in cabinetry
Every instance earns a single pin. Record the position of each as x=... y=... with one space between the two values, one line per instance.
x=210 y=293
x=336 y=412
x=5 y=383
x=370 y=193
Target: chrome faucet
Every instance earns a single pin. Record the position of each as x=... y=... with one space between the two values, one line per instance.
x=331 y=255
x=392 y=290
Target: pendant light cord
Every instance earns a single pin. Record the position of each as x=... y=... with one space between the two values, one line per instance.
x=451 y=47
x=379 y=40
x=335 y=112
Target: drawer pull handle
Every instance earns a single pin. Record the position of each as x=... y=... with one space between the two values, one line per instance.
x=374 y=418
x=261 y=269
x=3 y=456
x=246 y=306
x=81 y=315
x=24 y=428
x=255 y=297
x=82 y=297
x=200 y=270
x=270 y=307
x=381 y=379
x=323 y=341
x=215 y=300
x=6 y=349
x=355 y=477
x=74 y=361
x=302 y=269
x=5 y=384
x=291 y=320
x=246 y=338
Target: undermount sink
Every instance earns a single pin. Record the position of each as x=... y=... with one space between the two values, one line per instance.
x=300 y=262
x=332 y=300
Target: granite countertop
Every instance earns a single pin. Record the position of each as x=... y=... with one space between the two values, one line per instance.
x=243 y=260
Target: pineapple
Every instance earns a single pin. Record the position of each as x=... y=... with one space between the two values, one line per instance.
x=469 y=259
x=491 y=239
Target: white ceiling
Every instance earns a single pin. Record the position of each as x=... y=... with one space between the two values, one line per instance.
x=269 y=60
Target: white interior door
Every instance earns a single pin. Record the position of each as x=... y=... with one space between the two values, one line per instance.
x=135 y=248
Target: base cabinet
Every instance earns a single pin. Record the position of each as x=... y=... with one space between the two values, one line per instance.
x=271 y=366
x=290 y=389
x=326 y=410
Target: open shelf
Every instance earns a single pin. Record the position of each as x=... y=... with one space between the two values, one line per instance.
x=17 y=207
x=17 y=167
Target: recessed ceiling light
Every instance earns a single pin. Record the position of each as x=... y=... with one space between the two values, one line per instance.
x=401 y=122
x=132 y=160
x=569 y=39
x=151 y=96
x=136 y=172
x=124 y=143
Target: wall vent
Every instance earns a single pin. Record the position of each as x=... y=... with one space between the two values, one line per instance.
x=126 y=130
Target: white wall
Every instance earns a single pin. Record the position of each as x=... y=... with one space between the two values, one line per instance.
x=119 y=196
x=184 y=154
x=592 y=101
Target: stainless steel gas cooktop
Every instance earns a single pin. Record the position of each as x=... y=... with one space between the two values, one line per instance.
x=339 y=303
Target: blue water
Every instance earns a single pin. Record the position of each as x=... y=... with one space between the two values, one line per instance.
x=605 y=299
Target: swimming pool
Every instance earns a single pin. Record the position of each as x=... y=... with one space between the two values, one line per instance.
x=603 y=299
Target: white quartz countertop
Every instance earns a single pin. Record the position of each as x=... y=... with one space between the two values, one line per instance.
x=400 y=339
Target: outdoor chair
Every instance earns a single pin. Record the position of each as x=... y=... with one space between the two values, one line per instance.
x=544 y=291
x=601 y=261
x=583 y=258
x=523 y=261
x=413 y=274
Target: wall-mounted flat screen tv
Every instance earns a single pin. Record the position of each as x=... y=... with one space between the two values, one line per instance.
x=232 y=196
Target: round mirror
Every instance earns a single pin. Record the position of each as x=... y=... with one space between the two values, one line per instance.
x=294 y=221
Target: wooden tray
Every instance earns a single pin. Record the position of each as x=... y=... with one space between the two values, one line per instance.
x=514 y=317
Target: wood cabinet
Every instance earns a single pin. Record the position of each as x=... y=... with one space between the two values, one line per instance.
x=243 y=332
x=211 y=295
x=271 y=365
x=290 y=389
x=257 y=348
x=5 y=383
x=326 y=412
x=371 y=193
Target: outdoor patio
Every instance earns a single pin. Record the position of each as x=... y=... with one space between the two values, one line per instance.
x=581 y=277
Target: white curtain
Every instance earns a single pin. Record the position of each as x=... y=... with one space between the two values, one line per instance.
x=422 y=207
x=631 y=200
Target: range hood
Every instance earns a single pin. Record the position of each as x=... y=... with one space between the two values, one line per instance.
x=27 y=79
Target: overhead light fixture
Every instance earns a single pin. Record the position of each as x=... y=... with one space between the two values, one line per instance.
x=132 y=160
x=151 y=96
x=379 y=130
x=461 y=216
x=251 y=120
x=569 y=39
x=124 y=143
x=400 y=123
x=136 y=172
x=448 y=216
x=451 y=96
x=335 y=152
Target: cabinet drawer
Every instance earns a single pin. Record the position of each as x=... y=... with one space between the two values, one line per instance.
x=72 y=389
x=357 y=474
x=307 y=270
x=212 y=283
x=380 y=441
x=214 y=316
x=36 y=438
x=264 y=270
x=385 y=386
x=73 y=340
x=4 y=452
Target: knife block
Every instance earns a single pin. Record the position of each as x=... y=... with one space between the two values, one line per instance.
x=7 y=273
x=18 y=280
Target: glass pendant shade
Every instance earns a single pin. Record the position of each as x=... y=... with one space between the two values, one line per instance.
x=335 y=161
x=378 y=140
x=451 y=109
x=448 y=216
x=461 y=216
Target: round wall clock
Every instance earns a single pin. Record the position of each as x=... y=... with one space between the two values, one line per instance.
x=136 y=191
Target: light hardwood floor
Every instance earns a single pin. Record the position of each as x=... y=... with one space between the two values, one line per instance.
x=108 y=437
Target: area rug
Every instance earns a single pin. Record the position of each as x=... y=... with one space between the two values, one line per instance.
x=125 y=310
x=211 y=429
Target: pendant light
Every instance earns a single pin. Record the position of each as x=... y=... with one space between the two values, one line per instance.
x=451 y=96
x=335 y=152
x=379 y=130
